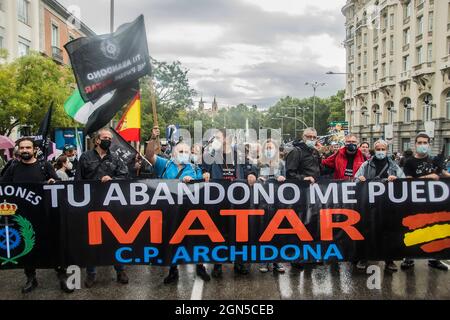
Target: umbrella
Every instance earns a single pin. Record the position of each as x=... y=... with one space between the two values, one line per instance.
x=6 y=143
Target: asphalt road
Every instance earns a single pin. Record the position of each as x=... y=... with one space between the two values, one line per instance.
x=334 y=281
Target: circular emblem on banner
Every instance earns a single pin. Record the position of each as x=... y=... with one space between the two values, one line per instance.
x=110 y=48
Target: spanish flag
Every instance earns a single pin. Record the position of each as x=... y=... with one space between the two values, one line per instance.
x=129 y=126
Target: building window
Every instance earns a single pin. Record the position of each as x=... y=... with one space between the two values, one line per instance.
x=391 y=20
x=364 y=116
x=419 y=55
x=447 y=147
x=430 y=22
x=377 y=115
x=391 y=45
x=448 y=45
x=447 y=103
x=406 y=144
x=390 y=113
x=406 y=64
x=428 y=108
x=365 y=79
x=2 y=5
x=55 y=36
x=406 y=36
x=420 y=25
x=375 y=75
x=430 y=52
x=22 y=10
x=407 y=111
x=383 y=70
x=24 y=47
x=407 y=10
x=391 y=68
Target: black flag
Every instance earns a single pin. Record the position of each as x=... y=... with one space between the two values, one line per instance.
x=41 y=137
x=122 y=148
x=107 y=62
x=102 y=115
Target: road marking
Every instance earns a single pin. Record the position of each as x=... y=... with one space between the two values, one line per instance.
x=197 y=290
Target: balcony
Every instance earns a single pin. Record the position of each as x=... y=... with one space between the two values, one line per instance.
x=57 y=54
x=406 y=75
x=423 y=68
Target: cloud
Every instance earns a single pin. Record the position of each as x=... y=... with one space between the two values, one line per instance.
x=251 y=51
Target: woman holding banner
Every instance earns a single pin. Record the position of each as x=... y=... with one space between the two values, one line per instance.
x=271 y=168
x=178 y=167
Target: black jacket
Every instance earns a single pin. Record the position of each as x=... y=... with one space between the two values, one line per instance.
x=92 y=167
x=302 y=162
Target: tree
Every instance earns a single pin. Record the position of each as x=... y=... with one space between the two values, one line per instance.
x=28 y=85
x=337 y=107
x=174 y=96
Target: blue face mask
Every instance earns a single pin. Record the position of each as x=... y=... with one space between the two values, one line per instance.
x=310 y=143
x=380 y=155
x=423 y=149
x=182 y=158
x=269 y=154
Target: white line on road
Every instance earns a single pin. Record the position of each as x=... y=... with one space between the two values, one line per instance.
x=197 y=290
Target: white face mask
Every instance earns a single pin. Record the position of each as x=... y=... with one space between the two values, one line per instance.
x=216 y=145
x=380 y=155
x=69 y=165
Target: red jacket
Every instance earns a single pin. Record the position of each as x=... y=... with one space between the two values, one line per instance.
x=338 y=162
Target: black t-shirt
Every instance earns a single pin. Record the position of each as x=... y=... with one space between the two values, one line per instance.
x=417 y=168
x=228 y=169
x=349 y=170
x=379 y=166
x=35 y=172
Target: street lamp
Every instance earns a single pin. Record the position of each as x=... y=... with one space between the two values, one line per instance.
x=331 y=72
x=315 y=85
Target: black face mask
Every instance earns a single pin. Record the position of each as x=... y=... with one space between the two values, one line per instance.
x=351 y=147
x=26 y=156
x=105 y=144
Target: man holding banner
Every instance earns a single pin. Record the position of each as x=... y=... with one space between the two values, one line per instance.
x=29 y=169
x=422 y=167
x=101 y=164
x=178 y=167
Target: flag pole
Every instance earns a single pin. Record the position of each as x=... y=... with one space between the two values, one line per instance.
x=155 y=115
x=111 y=28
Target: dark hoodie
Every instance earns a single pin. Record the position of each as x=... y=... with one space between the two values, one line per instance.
x=302 y=162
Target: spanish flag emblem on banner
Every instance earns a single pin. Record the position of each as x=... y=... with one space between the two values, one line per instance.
x=129 y=126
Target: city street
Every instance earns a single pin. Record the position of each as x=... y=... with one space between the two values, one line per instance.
x=337 y=281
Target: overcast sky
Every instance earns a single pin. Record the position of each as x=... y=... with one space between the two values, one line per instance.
x=243 y=51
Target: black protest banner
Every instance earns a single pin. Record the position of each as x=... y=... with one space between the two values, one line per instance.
x=164 y=222
x=107 y=62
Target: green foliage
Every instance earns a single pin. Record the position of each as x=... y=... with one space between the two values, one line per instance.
x=27 y=87
x=174 y=96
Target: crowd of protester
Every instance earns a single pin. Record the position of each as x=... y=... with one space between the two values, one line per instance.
x=305 y=159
